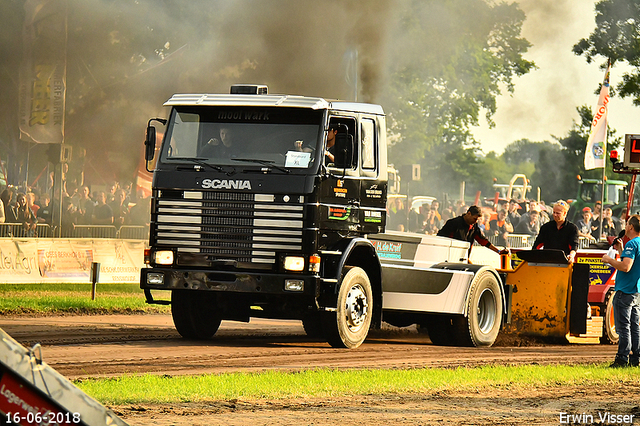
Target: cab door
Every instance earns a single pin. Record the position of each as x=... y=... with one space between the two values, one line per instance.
x=340 y=190
x=373 y=184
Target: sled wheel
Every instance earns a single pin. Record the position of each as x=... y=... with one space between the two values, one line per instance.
x=609 y=334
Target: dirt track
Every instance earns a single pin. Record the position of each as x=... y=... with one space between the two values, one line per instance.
x=111 y=345
x=91 y=346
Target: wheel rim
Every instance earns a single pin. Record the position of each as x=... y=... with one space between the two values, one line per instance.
x=486 y=311
x=356 y=307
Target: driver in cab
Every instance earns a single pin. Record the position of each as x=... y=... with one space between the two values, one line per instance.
x=222 y=147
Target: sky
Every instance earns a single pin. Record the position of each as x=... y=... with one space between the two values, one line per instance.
x=545 y=100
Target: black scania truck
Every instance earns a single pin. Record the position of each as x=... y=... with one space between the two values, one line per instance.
x=273 y=206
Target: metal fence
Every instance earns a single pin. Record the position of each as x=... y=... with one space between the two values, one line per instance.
x=18 y=230
x=43 y=230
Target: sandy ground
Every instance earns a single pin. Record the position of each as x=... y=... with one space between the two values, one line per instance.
x=498 y=407
x=112 y=345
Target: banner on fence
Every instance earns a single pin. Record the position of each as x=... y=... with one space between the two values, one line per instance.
x=62 y=260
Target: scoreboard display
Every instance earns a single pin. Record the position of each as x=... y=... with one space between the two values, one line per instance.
x=632 y=151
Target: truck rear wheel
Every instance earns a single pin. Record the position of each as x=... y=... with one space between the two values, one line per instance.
x=195 y=314
x=484 y=313
x=348 y=326
x=609 y=334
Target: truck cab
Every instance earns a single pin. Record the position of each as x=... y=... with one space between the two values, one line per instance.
x=274 y=206
x=249 y=212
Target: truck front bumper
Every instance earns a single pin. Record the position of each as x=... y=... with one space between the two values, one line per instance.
x=234 y=282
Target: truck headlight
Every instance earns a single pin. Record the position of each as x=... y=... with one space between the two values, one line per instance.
x=156 y=278
x=294 y=263
x=163 y=257
x=294 y=285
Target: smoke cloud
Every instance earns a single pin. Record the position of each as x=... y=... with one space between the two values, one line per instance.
x=126 y=58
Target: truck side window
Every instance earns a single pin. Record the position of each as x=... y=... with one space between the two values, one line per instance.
x=342 y=125
x=184 y=136
x=367 y=144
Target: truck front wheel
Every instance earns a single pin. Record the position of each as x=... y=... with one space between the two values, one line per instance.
x=484 y=313
x=195 y=314
x=348 y=326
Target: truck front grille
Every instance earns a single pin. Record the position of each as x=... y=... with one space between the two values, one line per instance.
x=228 y=225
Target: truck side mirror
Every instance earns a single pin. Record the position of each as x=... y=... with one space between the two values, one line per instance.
x=150 y=143
x=344 y=151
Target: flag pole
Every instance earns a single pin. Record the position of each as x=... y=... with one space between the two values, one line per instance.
x=604 y=184
x=604 y=164
x=596 y=149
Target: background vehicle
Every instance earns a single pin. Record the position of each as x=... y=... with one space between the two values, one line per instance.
x=513 y=189
x=590 y=191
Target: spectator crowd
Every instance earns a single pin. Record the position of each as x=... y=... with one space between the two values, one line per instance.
x=115 y=205
x=512 y=217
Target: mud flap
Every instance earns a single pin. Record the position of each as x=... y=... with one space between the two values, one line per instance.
x=579 y=294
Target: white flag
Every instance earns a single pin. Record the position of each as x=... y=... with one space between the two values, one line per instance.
x=597 y=143
x=43 y=72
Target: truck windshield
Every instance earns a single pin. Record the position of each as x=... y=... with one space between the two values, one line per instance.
x=252 y=136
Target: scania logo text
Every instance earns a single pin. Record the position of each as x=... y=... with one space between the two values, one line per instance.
x=225 y=184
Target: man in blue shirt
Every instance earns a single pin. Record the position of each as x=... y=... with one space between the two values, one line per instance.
x=626 y=301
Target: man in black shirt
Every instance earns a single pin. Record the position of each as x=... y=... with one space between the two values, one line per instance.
x=465 y=228
x=559 y=234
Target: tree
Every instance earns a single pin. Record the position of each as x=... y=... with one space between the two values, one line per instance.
x=522 y=157
x=455 y=57
x=616 y=38
x=557 y=171
x=525 y=151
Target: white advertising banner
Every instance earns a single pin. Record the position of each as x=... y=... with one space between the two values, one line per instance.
x=69 y=260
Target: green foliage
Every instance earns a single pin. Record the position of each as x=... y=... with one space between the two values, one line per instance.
x=457 y=55
x=616 y=38
x=334 y=383
x=525 y=151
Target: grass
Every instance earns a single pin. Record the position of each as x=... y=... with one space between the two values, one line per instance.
x=336 y=383
x=73 y=298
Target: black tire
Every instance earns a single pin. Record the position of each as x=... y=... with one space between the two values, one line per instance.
x=349 y=325
x=312 y=325
x=441 y=330
x=609 y=334
x=195 y=314
x=484 y=313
